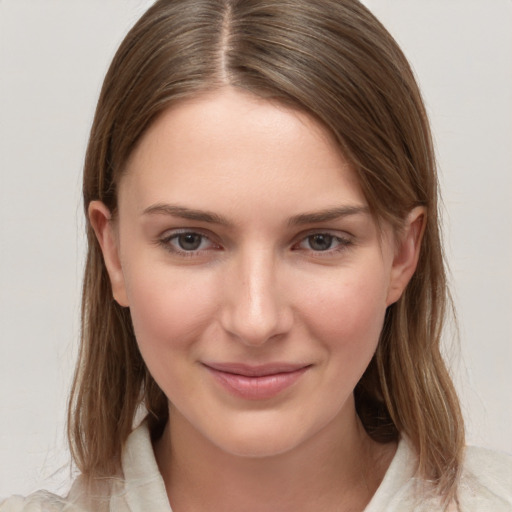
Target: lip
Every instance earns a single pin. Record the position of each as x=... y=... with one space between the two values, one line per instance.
x=256 y=382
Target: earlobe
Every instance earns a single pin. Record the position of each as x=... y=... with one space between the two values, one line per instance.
x=407 y=253
x=101 y=221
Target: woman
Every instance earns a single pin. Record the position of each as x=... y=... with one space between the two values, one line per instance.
x=265 y=282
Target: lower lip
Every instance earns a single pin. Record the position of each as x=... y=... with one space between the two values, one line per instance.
x=256 y=388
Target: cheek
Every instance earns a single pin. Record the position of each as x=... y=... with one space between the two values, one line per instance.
x=347 y=312
x=168 y=310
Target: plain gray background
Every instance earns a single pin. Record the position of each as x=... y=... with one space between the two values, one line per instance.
x=53 y=55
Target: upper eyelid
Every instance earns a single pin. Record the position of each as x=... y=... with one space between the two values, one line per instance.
x=345 y=241
x=167 y=236
x=170 y=233
x=341 y=239
x=336 y=233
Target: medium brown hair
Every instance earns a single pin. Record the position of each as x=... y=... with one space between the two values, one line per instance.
x=335 y=61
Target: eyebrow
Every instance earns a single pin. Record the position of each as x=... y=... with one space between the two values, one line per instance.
x=327 y=215
x=186 y=213
x=214 y=218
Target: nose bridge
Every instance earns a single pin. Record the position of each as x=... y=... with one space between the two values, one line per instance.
x=255 y=309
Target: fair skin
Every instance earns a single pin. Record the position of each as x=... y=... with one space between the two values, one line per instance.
x=257 y=282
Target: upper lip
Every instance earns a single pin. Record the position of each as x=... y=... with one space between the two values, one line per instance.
x=261 y=370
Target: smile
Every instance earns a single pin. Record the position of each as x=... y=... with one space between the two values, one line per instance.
x=255 y=382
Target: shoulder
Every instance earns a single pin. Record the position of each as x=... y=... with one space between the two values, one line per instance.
x=138 y=485
x=81 y=498
x=97 y=497
x=485 y=484
x=40 y=501
x=486 y=481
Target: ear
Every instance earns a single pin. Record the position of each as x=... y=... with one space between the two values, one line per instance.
x=105 y=230
x=407 y=253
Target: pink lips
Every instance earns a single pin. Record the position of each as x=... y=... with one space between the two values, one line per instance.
x=255 y=382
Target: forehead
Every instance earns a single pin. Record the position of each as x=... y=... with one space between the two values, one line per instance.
x=233 y=146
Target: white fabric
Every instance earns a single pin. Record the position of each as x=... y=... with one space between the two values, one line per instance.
x=486 y=485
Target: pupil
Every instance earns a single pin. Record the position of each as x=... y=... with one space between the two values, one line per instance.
x=189 y=241
x=320 y=242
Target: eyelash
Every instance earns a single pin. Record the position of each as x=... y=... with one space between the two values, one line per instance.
x=166 y=242
x=342 y=243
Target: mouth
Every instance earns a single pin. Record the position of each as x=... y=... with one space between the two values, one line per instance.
x=256 y=382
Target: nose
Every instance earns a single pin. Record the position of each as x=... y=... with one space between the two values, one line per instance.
x=255 y=307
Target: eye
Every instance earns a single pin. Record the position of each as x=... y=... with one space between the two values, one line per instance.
x=323 y=242
x=320 y=242
x=187 y=242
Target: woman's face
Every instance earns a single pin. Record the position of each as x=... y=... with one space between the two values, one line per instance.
x=254 y=273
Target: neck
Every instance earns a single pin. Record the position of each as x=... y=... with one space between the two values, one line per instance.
x=339 y=468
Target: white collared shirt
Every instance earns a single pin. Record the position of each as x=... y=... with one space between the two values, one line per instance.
x=486 y=485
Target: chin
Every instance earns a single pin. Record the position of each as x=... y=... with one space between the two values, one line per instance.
x=260 y=437
x=257 y=446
